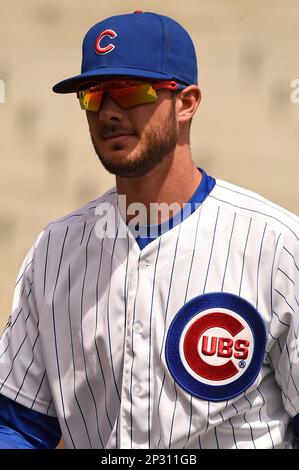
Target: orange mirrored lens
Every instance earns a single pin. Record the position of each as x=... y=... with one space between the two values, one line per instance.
x=134 y=95
x=90 y=99
x=126 y=96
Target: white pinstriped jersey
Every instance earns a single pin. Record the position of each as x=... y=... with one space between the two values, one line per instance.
x=91 y=316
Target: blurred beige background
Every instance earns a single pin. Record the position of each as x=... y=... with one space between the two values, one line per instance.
x=246 y=131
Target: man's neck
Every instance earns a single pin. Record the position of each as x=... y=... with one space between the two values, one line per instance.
x=171 y=183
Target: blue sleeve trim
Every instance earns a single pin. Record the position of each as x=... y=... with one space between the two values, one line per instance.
x=296 y=424
x=11 y=439
x=22 y=428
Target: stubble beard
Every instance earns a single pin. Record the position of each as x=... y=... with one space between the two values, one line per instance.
x=157 y=143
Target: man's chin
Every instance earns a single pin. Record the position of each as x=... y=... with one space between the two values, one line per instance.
x=127 y=171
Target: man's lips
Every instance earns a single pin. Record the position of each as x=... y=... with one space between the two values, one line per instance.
x=116 y=134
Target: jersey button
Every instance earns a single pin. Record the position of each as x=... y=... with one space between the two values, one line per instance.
x=137 y=389
x=144 y=264
x=137 y=327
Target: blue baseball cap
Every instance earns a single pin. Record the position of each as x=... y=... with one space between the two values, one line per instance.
x=139 y=44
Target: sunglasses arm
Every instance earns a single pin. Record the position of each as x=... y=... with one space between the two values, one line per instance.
x=170 y=85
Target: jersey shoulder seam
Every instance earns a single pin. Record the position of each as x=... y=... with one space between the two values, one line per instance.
x=253 y=205
x=83 y=214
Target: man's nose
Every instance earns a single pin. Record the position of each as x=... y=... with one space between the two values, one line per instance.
x=110 y=110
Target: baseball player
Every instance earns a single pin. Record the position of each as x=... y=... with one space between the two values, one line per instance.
x=136 y=327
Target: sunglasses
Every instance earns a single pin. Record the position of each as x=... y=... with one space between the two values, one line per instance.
x=126 y=93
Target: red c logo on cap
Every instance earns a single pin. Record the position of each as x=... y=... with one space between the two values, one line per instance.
x=105 y=50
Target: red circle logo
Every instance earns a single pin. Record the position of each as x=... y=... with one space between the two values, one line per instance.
x=216 y=346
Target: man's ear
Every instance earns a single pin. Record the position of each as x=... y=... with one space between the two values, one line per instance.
x=187 y=103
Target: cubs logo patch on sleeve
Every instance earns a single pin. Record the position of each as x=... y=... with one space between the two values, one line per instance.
x=215 y=346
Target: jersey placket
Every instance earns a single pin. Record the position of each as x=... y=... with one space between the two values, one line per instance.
x=135 y=386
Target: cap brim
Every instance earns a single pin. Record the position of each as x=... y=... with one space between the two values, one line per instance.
x=70 y=85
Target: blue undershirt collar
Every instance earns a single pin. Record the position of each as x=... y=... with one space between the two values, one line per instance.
x=149 y=233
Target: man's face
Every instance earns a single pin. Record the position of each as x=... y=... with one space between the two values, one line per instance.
x=131 y=142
